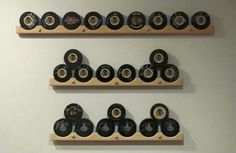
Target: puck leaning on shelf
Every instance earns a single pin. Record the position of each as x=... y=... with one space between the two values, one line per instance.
x=73 y=58
x=93 y=20
x=170 y=127
x=116 y=112
x=127 y=127
x=105 y=73
x=73 y=112
x=62 y=73
x=148 y=127
x=62 y=127
x=169 y=73
x=126 y=73
x=83 y=73
x=179 y=20
x=71 y=20
x=114 y=20
x=158 y=20
x=105 y=127
x=50 y=20
x=159 y=112
x=201 y=20
x=136 y=20
x=29 y=20
x=148 y=73
x=84 y=127
x=158 y=58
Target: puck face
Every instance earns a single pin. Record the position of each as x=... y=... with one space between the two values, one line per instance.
x=159 y=112
x=127 y=127
x=158 y=20
x=170 y=127
x=73 y=112
x=62 y=127
x=126 y=73
x=169 y=73
x=62 y=73
x=105 y=127
x=136 y=20
x=93 y=20
x=148 y=127
x=116 y=112
x=71 y=20
x=73 y=58
x=158 y=58
x=84 y=127
x=114 y=20
x=148 y=73
x=50 y=20
x=201 y=20
x=29 y=20
x=83 y=73
x=179 y=20
x=105 y=73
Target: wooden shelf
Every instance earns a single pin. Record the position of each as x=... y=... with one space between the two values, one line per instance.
x=116 y=83
x=159 y=138
x=125 y=30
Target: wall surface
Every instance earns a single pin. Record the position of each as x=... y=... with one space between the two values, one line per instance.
x=205 y=107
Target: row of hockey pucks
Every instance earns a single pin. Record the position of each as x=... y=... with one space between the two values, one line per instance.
x=116 y=116
x=73 y=67
x=115 y=20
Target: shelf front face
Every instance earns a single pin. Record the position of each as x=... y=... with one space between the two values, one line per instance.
x=116 y=83
x=159 y=138
x=125 y=30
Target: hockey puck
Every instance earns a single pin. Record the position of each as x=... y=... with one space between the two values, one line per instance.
x=114 y=20
x=105 y=127
x=93 y=20
x=105 y=73
x=83 y=73
x=148 y=73
x=84 y=127
x=158 y=58
x=148 y=127
x=116 y=112
x=29 y=20
x=201 y=20
x=179 y=20
x=73 y=112
x=62 y=127
x=73 y=58
x=159 y=112
x=50 y=20
x=170 y=127
x=126 y=73
x=127 y=127
x=158 y=20
x=71 y=20
x=136 y=20
x=62 y=73
x=169 y=73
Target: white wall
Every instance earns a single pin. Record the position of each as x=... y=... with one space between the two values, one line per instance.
x=205 y=107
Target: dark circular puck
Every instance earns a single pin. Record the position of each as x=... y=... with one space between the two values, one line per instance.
x=158 y=20
x=50 y=20
x=105 y=127
x=179 y=20
x=116 y=112
x=73 y=58
x=93 y=20
x=62 y=127
x=71 y=20
x=105 y=73
x=126 y=73
x=148 y=127
x=73 y=112
x=84 y=127
x=136 y=20
x=29 y=20
x=158 y=58
x=127 y=127
x=62 y=73
x=83 y=73
x=148 y=73
x=169 y=73
x=159 y=112
x=114 y=20
x=170 y=127
x=201 y=20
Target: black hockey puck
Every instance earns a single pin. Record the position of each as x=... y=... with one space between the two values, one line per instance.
x=158 y=58
x=83 y=73
x=170 y=127
x=159 y=112
x=29 y=20
x=158 y=20
x=105 y=73
x=71 y=20
x=114 y=20
x=116 y=112
x=179 y=20
x=148 y=127
x=62 y=73
x=105 y=127
x=148 y=73
x=126 y=73
x=127 y=127
x=73 y=58
x=169 y=73
x=136 y=20
x=84 y=127
x=50 y=20
x=62 y=127
x=73 y=112
x=201 y=20
x=93 y=20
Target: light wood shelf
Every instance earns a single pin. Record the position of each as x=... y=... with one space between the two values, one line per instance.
x=159 y=138
x=116 y=83
x=125 y=30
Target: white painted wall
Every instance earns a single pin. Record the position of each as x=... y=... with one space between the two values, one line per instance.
x=205 y=107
